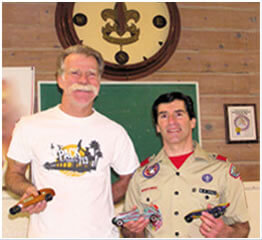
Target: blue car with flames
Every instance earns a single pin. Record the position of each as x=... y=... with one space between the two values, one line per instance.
x=151 y=212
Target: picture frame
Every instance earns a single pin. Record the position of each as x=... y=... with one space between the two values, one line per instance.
x=241 y=123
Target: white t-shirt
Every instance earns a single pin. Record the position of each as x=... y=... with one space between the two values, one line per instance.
x=73 y=156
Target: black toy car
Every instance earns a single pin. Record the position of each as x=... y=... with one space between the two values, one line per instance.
x=216 y=211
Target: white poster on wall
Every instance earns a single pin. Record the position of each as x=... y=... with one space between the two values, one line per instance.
x=17 y=100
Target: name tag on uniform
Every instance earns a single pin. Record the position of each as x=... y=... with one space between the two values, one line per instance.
x=208 y=191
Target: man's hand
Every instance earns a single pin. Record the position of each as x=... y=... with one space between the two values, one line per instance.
x=135 y=229
x=212 y=227
x=37 y=207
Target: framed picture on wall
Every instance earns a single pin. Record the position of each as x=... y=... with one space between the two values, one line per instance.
x=241 y=123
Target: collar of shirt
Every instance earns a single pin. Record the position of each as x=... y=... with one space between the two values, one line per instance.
x=179 y=160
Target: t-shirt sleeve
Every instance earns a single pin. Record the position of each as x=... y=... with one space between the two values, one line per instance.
x=18 y=149
x=125 y=159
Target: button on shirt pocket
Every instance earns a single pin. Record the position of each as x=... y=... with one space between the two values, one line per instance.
x=205 y=194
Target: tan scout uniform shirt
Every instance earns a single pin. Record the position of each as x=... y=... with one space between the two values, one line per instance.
x=202 y=179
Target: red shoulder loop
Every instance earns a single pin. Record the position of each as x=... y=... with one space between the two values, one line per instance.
x=222 y=158
x=146 y=161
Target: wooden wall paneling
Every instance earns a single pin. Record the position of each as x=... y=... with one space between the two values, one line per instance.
x=225 y=40
x=213 y=61
x=235 y=152
x=215 y=83
x=33 y=37
x=31 y=22
x=249 y=171
x=42 y=60
x=212 y=105
x=219 y=17
x=26 y=13
x=213 y=128
x=253 y=6
x=254 y=87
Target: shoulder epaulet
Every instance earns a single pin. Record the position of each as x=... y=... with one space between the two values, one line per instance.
x=216 y=156
x=220 y=157
x=144 y=162
x=147 y=160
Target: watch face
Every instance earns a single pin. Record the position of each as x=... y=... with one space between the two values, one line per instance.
x=134 y=38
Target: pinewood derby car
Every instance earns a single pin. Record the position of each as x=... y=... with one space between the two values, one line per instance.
x=151 y=212
x=44 y=194
x=216 y=211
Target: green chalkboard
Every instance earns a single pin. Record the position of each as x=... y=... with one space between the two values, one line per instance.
x=130 y=105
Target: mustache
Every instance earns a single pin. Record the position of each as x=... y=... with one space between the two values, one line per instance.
x=80 y=87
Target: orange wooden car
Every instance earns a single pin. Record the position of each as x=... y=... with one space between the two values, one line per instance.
x=44 y=194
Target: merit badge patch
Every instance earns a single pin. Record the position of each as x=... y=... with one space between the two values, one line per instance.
x=151 y=171
x=207 y=178
x=234 y=172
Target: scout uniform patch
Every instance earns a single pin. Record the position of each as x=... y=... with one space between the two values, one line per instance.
x=234 y=172
x=149 y=188
x=151 y=171
x=207 y=178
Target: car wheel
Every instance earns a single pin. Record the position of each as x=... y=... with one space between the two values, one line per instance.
x=153 y=218
x=48 y=197
x=119 y=222
x=14 y=210
x=188 y=219
x=216 y=214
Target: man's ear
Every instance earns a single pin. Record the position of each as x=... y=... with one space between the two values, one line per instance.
x=60 y=81
x=157 y=128
x=193 y=123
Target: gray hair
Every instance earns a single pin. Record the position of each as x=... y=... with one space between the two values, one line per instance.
x=79 y=49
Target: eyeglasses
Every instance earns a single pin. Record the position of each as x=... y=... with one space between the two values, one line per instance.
x=77 y=73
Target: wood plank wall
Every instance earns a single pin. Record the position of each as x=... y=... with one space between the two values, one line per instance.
x=218 y=48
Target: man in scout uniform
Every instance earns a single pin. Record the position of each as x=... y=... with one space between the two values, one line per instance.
x=183 y=178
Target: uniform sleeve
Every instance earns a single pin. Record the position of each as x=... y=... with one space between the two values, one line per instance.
x=125 y=159
x=132 y=197
x=19 y=149
x=235 y=195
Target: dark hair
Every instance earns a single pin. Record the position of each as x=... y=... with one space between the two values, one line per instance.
x=170 y=97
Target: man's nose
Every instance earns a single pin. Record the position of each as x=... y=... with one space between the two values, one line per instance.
x=172 y=119
x=84 y=79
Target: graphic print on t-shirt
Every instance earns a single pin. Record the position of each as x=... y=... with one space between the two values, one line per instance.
x=74 y=159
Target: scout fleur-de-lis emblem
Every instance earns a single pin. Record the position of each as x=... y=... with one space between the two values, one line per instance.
x=128 y=33
x=207 y=178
